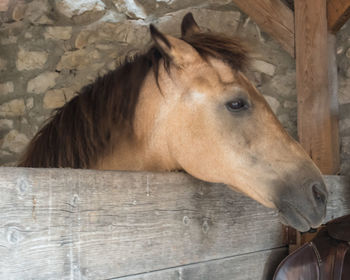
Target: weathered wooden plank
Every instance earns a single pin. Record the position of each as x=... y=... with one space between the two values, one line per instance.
x=317 y=103
x=83 y=224
x=68 y=224
x=338 y=14
x=274 y=18
x=339 y=196
x=252 y=266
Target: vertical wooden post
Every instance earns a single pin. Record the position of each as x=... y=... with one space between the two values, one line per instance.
x=316 y=85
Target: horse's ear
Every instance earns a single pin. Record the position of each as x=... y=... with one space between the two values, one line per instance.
x=160 y=40
x=189 y=25
x=178 y=51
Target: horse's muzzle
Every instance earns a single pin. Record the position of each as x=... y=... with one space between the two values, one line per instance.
x=304 y=209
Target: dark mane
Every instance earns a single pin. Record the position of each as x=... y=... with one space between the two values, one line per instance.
x=80 y=132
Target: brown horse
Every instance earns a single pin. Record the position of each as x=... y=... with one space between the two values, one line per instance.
x=186 y=105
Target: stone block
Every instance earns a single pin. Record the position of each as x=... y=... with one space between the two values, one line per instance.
x=57 y=98
x=273 y=102
x=13 y=108
x=77 y=59
x=15 y=141
x=6 y=124
x=131 y=8
x=42 y=82
x=263 y=67
x=6 y=88
x=78 y=7
x=30 y=60
x=134 y=33
x=58 y=33
x=38 y=12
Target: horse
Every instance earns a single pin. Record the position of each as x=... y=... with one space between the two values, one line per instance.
x=186 y=104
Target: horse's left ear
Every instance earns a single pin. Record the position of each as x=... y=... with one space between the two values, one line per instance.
x=189 y=26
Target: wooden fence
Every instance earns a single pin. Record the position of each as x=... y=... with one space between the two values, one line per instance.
x=84 y=224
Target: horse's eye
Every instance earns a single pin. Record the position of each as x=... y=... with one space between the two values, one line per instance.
x=236 y=105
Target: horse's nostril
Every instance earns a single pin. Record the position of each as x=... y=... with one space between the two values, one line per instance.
x=318 y=192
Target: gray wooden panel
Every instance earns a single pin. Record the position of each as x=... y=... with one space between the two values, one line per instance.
x=252 y=266
x=84 y=224
x=339 y=196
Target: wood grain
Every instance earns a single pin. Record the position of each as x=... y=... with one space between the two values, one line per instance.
x=338 y=14
x=316 y=85
x=84 y=224
x=252 y=266
x=274 y=18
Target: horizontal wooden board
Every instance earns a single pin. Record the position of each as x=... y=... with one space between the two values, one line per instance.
x=84 y=224
x=252 y=266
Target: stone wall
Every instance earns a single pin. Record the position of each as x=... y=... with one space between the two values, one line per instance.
x=49 y=49
x=343 y=60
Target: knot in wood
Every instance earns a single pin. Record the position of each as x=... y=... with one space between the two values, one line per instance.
x=14 y=235
x=22 y=185
x=205 y=227
x=75 y=200
x=186 y=220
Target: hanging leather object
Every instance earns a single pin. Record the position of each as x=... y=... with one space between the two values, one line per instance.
x=326 y=257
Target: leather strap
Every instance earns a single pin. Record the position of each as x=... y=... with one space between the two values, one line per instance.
x=342 y=249
x=327 y=266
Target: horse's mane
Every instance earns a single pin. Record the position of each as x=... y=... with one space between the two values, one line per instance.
x=80 y=132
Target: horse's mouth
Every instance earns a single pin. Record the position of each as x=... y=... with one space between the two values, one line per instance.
x=291 y=216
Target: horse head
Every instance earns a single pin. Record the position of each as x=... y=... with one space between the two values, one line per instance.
x=213 y=123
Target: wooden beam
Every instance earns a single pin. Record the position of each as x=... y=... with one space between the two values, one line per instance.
x=338 y=14
x=277 y=19
x=85 y=224
x=274 y=17
x=316 y=85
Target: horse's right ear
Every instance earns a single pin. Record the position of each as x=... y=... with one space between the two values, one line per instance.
x=177 y=50
x=189 y=26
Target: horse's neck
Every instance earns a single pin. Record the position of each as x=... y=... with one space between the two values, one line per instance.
x=148 y=150
x=142 y=154
x=125 y=155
